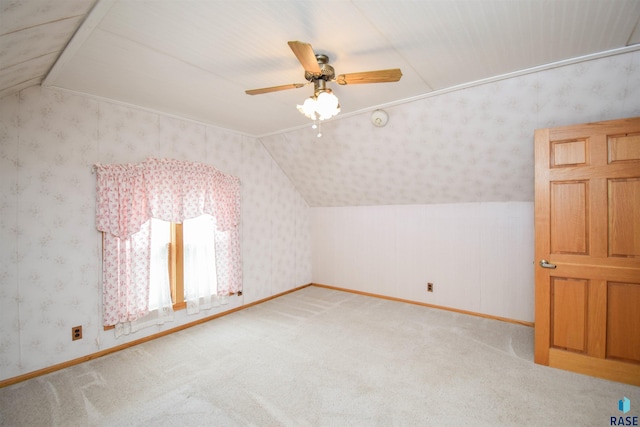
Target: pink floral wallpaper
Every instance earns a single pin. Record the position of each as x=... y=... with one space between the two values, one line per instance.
x=50 y=261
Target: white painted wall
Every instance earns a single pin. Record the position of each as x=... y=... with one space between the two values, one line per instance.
x=50 y=263
x=479 y=256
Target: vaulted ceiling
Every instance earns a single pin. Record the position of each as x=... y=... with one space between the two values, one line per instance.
x=195 y=58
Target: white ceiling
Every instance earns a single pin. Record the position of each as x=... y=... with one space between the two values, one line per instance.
x=195 y=58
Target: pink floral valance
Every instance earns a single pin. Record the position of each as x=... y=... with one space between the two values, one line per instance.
x=129 y=195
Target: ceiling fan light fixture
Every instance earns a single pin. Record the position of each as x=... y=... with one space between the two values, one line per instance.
x=308 y=108
x=327 y=104
x=321 y=106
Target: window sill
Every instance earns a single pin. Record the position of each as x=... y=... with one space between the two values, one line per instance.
x=176 y=307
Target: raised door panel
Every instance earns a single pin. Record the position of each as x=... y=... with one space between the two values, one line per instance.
x=624 y=148
x=569 y=313
x=624 y=217
x=623 y=321
x=569 y=232
x=569 y=153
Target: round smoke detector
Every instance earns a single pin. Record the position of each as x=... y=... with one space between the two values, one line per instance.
x=379 y=118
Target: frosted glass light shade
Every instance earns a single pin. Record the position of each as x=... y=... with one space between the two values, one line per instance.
x=321 y=106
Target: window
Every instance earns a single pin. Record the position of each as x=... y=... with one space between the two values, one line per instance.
x=199 y=255
x=183 y=262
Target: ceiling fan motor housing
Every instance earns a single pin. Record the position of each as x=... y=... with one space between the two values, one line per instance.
x=327 y=73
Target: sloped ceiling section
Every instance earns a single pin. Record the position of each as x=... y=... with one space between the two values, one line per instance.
x=33 y=34
x=468 y=145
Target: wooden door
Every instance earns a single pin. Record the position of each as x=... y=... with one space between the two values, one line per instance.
x=587 y=246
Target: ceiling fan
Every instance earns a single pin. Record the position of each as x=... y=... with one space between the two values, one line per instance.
x=324 y=104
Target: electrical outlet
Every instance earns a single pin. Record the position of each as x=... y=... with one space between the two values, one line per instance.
x=76 y=333
x=429 y=287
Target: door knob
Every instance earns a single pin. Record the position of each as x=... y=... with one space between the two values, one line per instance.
x=546 y=264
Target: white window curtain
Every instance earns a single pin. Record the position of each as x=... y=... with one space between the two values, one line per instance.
x=200 y=273
x=159 y=295
x=128 y=197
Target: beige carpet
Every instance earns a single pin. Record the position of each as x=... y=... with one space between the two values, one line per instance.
x=319 y=357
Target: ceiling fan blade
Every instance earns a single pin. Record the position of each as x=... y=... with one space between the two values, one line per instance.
x=274 y=88
x=379 y=76
x=305 y=54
